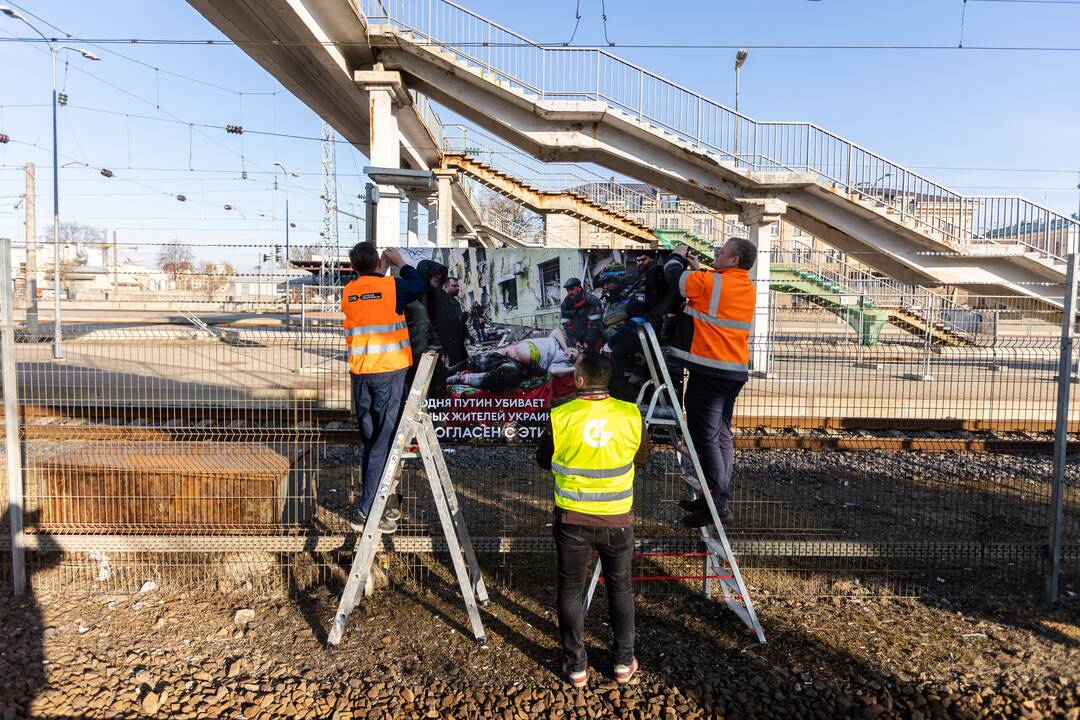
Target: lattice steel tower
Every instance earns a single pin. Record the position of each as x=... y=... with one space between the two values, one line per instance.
x=329 y=272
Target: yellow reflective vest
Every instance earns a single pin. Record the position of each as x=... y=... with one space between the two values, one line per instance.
x=593 y=463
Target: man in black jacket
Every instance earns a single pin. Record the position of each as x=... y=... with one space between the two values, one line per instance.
x=450 y=321
x=581 y=317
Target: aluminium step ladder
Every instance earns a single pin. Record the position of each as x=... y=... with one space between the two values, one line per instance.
x=663 y=411
x=416 y=426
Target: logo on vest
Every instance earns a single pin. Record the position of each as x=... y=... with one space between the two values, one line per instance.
x=594 y=435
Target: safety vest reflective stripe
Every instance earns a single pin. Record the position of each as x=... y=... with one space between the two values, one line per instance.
x=714 y=299
x=594 y=497
x=682 y=281
x=718 y=322
x=596 y=474
x=708 y=362
x=374 y=329
x=376 y=349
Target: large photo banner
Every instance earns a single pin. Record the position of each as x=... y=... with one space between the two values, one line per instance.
x=509 y=324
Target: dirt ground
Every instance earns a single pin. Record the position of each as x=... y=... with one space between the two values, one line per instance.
x=408 y=654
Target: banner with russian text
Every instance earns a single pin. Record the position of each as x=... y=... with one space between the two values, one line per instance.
x=510 y=322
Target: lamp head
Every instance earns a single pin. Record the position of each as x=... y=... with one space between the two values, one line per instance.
x=11 y=13
x=740 y=58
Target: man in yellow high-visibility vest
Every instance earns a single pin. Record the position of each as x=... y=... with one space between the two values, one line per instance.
x=591 y=446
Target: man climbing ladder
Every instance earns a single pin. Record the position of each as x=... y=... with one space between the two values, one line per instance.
x=416 y=427
x=659 y=401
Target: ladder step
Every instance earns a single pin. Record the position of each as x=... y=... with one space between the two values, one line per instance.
x=716 y=548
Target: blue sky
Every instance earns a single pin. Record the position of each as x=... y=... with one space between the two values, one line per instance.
x=938 y=110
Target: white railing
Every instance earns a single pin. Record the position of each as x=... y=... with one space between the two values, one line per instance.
x=562 y=73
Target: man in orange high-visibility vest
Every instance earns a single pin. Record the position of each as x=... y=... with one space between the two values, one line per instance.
x=379 y=356
x=712 y=342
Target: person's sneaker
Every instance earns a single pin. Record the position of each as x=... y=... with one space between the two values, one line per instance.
x=357 y=521
x=701 y=518
x=393 y=514
x=386 y=525
x=623 y=673
x=694 y=505
x=578 y=679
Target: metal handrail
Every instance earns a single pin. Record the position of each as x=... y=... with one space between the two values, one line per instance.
x=560 y=73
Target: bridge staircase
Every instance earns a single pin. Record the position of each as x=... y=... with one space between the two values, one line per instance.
x=587 y=105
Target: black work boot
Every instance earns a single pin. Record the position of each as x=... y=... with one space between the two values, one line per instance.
x=701 y=518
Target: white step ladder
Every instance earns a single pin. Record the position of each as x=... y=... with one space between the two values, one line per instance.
x=663 y=410
x=415 y=425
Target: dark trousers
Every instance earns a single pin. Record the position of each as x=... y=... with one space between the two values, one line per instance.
x=574 y=544
x=710 y=404
x=377 y=400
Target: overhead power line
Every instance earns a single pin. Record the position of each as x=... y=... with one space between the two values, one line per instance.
x=155 y=68
x=210 y=42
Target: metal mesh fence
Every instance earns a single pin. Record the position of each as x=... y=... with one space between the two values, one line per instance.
x=193 y=453
x=215 y=445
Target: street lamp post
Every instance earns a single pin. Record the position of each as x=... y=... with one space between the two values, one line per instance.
x=286 y=173
x=740 y=58
x=54 y=50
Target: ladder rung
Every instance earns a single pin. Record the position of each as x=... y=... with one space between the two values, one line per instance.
x=716 y=547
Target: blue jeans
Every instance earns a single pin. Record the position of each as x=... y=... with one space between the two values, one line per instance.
x=574 y=544
x=710 y=405
x=378 y=399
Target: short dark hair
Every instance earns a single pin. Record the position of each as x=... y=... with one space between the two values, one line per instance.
x=448 y=278
x=746 y=251
x=364 y=258
x=594 y=370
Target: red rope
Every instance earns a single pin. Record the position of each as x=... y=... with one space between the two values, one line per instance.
x=663 y=554
x=678 y=577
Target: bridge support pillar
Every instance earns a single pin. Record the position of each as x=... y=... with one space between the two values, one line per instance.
x=444 y=208
x=758 y=222
x=412 y=223
x=386 y=94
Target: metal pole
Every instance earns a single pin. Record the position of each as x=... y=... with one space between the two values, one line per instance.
x=929 y=335
x=11 y=421
x=58 y=331
x=31 y=252
x=862 y=326
x=303 y=321
x=115 y=266
x=1061 y=430
x=371 y=201
x=287 y=315
x=737 y=115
